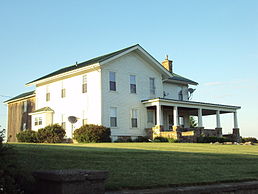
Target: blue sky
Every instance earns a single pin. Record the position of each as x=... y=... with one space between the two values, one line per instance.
x=212 y=42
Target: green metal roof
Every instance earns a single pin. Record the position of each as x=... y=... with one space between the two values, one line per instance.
x=83 y=64
x=99 y=59
x=44 y=109
x=177 y=77
x=23 y=95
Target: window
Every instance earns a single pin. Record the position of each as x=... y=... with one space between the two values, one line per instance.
x=112 y=81
x=152 y=86
x=84 y=121
x=134 y=118
x=63 y=122
x=63 y=93
x=84 y=84
x=150 y=116
x=24 y=126
x=47 y=94
x=38 y=121
x=113 y=117
x=25 y=106
x=133 y=84
x=180 y=95
x=84 y=117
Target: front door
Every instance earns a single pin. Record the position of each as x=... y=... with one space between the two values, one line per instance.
x=170 y=121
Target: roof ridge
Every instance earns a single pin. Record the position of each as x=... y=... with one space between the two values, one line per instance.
x=85 y=63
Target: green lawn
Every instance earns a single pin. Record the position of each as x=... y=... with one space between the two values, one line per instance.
x=144 y=165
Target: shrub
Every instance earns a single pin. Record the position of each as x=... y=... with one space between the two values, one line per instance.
x=160 y=139
x=92 y=134
x=172 y=140
x=27 y=136
x=123 y=140
x=141 y=139
x=206 y=139
x=51 y=134
x=249 y=139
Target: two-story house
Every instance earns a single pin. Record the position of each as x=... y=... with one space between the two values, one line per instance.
x=128 y=91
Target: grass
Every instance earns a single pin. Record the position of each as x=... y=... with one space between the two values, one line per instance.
x=145 y=165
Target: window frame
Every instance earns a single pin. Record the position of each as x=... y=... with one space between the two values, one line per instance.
x=180 y=95
x=113 y=117
x=25 y=106
x=152 y=86
x=63 y=93
x=133 y=86
x=134 y=118
x=47 y=94
x=84 y=84
x=112 y=83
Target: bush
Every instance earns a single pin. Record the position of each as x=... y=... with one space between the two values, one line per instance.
x=160 y=139
x=92 y=134
x=141 y=139
x=249 y=139
x=51 y=134
x=123 y=140
x=172 y=140
x=205 y=139
x=27 y=136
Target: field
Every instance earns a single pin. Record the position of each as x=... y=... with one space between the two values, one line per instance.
x=145 y=165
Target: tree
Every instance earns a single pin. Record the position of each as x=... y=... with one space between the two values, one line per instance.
x=192 y=121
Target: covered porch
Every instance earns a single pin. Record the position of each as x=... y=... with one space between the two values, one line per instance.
x=172 y=118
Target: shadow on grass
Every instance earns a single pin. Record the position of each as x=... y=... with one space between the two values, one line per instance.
x=141 y=168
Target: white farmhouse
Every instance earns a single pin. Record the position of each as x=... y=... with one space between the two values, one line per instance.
x=128 y=91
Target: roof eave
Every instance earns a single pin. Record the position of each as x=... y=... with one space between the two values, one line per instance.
x=92 y=66
x=18 y=99
x=182 y=82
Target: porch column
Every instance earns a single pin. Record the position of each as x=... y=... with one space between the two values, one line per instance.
x=200 y=118
x=235 y=120
x=236 y=133
x=218 y=119
x=175 y=115
x=159 y=115
x=218 y=128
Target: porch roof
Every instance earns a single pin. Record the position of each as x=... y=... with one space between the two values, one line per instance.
x=191 y=106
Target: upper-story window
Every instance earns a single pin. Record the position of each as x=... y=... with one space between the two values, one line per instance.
x=113 y=117
x=152 y=86
x=84 y=84
x=180 y=95
x=63 y=91
x=112 y=81
x=133 y=84
x=47 y=94
x=134 y=118
x=25 y=106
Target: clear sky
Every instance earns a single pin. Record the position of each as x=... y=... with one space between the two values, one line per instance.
x=212 y=42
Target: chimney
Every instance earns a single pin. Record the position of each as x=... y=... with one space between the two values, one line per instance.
x=168 y=64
